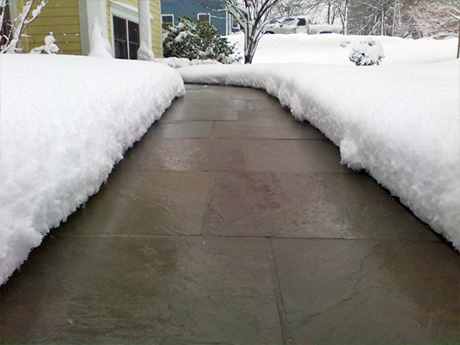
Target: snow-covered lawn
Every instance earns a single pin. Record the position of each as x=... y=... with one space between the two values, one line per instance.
x=400 y=121
x=65 y=122
x=334 y=49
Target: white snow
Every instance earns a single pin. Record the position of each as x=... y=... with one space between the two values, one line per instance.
x=99 y=45
x=65 y=122
x=184 y=62
x=399 y=121
x=334 y=49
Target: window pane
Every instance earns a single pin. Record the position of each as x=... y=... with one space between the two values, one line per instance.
x=121 y=49
x=167 y=19
x=204 y=17
x=133 y=29
x=133 y=48
x=119 y=28
x=120 y=38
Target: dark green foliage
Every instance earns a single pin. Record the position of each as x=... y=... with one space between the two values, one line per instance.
x=195 y=41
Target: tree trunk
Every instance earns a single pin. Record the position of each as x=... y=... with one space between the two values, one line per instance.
x=458 y=46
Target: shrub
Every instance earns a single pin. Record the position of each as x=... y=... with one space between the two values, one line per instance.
x=195 y=41
x=367 y=53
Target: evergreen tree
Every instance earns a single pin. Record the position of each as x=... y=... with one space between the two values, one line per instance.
x=195 y=41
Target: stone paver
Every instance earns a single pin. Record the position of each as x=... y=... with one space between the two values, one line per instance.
x=231 y=223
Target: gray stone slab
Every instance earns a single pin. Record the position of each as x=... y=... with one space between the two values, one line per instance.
x=145 y=202
x=114 y=290
x=191 y=129
x=243 y=93
x=294 y=156
x=266 y=129
x=369 y=293
x=263 y=103
x=185 y=154
x=277 y=114
x=187 y=109
x=308 y=205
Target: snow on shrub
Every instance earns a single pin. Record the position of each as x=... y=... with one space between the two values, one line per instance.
x=367 y=53
x=195 y=41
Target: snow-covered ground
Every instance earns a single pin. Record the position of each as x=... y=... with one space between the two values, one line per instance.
x=65 y=122
x=334 y=49
x=400 y=121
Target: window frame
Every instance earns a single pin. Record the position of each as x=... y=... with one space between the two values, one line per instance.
x=168 y=15
x=202 y=21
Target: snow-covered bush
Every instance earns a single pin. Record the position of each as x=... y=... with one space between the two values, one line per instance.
x=367 y=53
x=50 y=46
x=195 y=41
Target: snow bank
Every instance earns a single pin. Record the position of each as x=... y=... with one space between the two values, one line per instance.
x=400 y=123
x=175 y=62
x=65 y=122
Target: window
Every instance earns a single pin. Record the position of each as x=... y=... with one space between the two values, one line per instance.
x=167 y=19
x=235 y=24
x=204 y=18
x=126 y=38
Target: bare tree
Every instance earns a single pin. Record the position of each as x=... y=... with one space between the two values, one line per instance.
x=252 y=16
x=291 y=8
x=438 y=19
x=16 y=28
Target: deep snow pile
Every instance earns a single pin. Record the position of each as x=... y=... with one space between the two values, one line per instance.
x=400 y=123
x=65 y=122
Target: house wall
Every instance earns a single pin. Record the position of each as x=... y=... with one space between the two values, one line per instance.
x=188 y=8
x=63 y=19
x=59 y=17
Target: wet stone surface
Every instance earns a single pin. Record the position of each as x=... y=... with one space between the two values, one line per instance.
x=349 y=206
x=369 y=292
x=112 y=290
x=232 y=223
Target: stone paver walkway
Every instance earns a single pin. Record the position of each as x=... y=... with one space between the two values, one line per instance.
x=231 y=223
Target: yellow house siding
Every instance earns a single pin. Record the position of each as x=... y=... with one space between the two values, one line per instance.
x=109 y=21
x=155 y=9
x=61 y=18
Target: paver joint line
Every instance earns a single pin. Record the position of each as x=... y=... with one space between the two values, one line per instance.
x=285 y=330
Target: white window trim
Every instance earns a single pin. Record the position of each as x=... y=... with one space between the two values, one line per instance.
x=208 y=14
x=123 y=11
x=167 y=15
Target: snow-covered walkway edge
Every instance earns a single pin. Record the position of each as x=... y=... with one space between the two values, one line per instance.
x=65 y=122
x=401 y=123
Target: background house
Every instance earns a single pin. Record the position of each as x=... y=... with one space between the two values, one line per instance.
x=72 y=21
x=198 y=10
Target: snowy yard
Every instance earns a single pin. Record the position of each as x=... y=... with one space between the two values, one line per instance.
x=67 y=120
x=399 y=121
